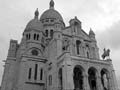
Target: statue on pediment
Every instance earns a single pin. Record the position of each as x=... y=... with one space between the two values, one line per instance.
x=106 y=53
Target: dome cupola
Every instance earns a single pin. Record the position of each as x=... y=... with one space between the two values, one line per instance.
x=51 y=4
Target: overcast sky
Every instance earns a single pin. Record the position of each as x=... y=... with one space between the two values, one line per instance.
x=103 y=16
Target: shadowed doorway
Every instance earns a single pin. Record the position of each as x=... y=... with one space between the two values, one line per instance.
x=92 y=78
x=78 y=78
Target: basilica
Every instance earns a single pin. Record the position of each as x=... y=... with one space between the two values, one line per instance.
x=53 y=56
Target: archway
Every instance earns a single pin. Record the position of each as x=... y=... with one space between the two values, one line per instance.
x=92 y=78
x=104 y=79
x=78 y=78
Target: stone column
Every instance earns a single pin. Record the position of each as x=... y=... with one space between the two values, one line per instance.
x=86 y=82
x=111 y=84
x=68 y=74
x=64 y=77
x=98 y=82
x=68 y=78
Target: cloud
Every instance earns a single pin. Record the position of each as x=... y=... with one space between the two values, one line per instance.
x=110 y=37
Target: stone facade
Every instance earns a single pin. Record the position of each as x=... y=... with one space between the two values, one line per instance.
x=52 y=56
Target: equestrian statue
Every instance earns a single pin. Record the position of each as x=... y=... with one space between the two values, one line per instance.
x=106 y=53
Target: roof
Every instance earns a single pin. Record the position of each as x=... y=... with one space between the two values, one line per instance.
x=34 y=24
x=51 y=14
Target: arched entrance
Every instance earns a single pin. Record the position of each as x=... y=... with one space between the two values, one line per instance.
x=78 y=78
x=104 y=79
x=92 y=78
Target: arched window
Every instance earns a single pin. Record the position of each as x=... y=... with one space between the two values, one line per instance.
x=29 y=36
x=88 y=55
x=30 y=71
x=26 y=36
x=46 y=33
x=37 y=36
x=41 y=74
x=34 y=52
x=93 y=52
x=34 y=36
x=75 y=26
x=35 y=75
x=51 y=33
x=78 y=46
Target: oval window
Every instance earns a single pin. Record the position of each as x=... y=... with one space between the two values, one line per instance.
x=34 y=52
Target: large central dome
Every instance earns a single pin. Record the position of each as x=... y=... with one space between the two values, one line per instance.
x=51 y=13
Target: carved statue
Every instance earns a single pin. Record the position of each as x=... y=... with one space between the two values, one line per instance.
x=66 y=44
x=106 y=53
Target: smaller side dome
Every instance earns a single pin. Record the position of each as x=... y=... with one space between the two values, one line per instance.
x=51 y=14
x=34 y=24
